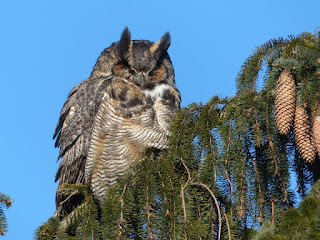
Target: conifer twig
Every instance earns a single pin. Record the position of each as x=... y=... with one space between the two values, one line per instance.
x=70 y=195
x=211 y=148
x=212 y=224
x=273 y=200
x=242 y=188
x=182 y=197
x=149 y=216
x=230 y=183
x=228 y=144
x=121 y=220
x=270 y=141
x=215 y=200
x=257 y=124
x=227 y=223
x=204 y=186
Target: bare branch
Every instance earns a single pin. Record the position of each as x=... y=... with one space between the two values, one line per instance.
x=71 y=194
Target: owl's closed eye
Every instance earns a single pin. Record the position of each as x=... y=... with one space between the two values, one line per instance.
x=155 y=76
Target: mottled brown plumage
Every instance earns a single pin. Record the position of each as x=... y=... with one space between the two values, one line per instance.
x=109 y=120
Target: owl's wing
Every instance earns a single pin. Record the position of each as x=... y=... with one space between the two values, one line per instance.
x=69 y=137
x=73 y=133
x=74 y=129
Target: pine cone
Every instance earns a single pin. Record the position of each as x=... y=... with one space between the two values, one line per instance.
x=316 y=133
x=285 y=102
x=303 y=134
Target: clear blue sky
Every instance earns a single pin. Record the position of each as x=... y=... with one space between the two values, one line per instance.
x=47 y=47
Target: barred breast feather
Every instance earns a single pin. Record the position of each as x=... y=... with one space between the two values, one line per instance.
x=129 y=121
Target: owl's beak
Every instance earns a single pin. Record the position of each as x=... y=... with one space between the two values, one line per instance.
x=140 y=78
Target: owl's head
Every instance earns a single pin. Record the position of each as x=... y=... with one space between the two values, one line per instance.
x=142 y=62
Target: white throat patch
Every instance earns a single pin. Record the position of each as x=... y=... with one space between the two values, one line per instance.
x=157 y=91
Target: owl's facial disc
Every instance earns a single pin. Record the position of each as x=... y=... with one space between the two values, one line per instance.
x=142 y=55
x=141 y=61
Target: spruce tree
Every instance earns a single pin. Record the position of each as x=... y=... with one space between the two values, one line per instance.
x=229 y=164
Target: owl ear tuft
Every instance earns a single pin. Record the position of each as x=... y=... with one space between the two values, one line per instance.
x=162 y=45
x=165 y=42
x=124 y=43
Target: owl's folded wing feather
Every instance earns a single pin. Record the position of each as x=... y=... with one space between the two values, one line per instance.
x=73 y=131
x=69 y=137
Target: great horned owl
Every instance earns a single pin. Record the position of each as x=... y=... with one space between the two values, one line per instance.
x=110 y=119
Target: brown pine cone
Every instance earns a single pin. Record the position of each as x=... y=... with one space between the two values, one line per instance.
x=303 y=135
x=285 y=102
x=316 y=133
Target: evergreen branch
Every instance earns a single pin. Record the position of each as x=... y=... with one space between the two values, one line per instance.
x=149 y=216
x=227 y=223
x=230 y=184
x=228 y=143
x=270 y=140
x=71 y=194
x=189 y=180
x=72 y=218
x=216 y=203
x=252 y=65
x=211 y=143
x=121 y=219
x=183 y=198
x=257 y=123
x=5 y=201
x=242 y=188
